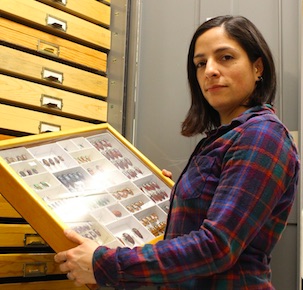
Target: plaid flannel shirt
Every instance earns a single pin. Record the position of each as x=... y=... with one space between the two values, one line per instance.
x=229 y=208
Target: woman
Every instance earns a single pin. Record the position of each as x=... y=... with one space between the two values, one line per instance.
x=230 y=205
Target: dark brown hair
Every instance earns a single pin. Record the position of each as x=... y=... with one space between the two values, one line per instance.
x=201 y=116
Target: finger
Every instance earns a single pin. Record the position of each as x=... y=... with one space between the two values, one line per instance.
x=167 y=173
x=70 y=276
x=78 y=284
x=73 y=236
x=64 y=268
x=60 y=257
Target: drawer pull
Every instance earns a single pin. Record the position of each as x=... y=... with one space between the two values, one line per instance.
x=48 y=48
x=51 y=75
x=33 y=240
x=56 y=23
x=34 y=269
x=51 y=102
x=46 y=127
x=63 y=2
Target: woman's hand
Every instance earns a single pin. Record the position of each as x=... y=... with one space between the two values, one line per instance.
x=167 y=173
x=77 y=262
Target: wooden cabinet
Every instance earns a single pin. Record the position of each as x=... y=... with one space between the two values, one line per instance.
x=49 y=285
x=53 y=64
x=53 y=77
x=39 y=69
x=52 y=100
x=56 y=21
x=51 y=45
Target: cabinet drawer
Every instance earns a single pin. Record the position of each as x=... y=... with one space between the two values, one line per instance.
x=46 y=285
x=6 y=210
x=54 y=100
x=28 y=265
x=57 y=22
x=5 y=137
x=51 y=73
x=91 y=10
x=23 y=120
x=20 y=235
x=36 y=40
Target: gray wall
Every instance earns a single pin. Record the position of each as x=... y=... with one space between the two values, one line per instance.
x=157 y=91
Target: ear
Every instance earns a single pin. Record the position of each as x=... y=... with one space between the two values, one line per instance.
x=258 y=66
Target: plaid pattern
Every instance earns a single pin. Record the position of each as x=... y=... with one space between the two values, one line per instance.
x=229 y=208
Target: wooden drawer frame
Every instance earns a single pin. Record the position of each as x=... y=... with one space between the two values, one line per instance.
x=90 y=10
x=20 y=235
x=27 y=265
x=6 y=210
x=51 y=73
x=32 y=122
x=66 y=25
x=48 y=44
x=53 y=100
x=30 y=205
x=47 y=285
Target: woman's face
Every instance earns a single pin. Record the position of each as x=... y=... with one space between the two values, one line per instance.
x=225 y=74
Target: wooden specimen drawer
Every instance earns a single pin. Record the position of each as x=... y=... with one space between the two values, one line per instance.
x=6 y=210
x=91 y=10
x=23 y=120
x=57 y=21
x=4 y=137
x=20 y=235
x=28 y=265
x=49 y=72
x=54 y=100
x=47 y=285
x=36 y=40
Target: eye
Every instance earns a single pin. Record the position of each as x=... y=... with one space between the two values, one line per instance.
x=200 y=64
x=227 y=57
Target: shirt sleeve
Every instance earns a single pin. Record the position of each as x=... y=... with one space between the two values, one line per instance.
x=258 y=168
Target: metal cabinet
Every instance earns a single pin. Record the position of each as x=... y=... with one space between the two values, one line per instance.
x=158 y=96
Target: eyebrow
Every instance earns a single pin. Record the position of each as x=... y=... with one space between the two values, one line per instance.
x=220 y=49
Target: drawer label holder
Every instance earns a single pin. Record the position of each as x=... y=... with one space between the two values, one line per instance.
x=52 y=75
x=51 y=102
x=47 y=127
x=63 y=2
x=48 y=48
x=56 y=23
x=34 y=269
x=34 y=240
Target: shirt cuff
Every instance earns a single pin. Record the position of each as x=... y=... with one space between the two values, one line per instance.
x=105 y=267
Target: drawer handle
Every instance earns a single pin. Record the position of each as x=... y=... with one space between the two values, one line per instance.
x=63 y=2
x=46 y=127
x=56 y=23
x=52 y=76
x=34 y=269
x=33 y=240
x=48 y=48
x=51 y=102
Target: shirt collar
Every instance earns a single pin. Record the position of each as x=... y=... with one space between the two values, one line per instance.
x=242 y=118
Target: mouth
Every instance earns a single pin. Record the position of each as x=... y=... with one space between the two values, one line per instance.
x=214 y=88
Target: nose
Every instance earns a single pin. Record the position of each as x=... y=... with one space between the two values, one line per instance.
x=211 y=69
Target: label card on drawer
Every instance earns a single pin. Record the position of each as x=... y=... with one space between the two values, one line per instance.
x=34 y=269
x=63 y=2
x=56 y=23
x=46 y=127
x=51 y=102
x=51 y=75
x=48 y=48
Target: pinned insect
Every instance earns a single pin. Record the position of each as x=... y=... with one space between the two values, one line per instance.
x=128 y=238
x=137 y=233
